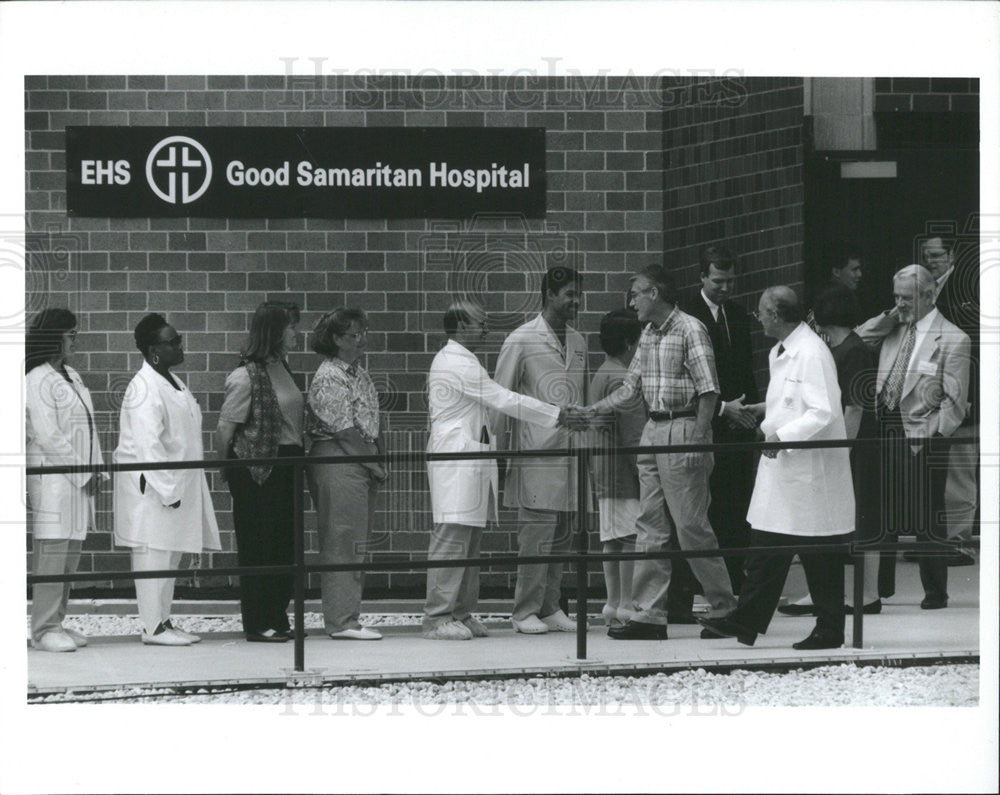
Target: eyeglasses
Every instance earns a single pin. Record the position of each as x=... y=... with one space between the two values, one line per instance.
x=756 y=315
x=356 y=334
x=633 y=294
x=71 y=334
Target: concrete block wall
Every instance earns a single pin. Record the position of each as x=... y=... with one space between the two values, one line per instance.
x=638 y=171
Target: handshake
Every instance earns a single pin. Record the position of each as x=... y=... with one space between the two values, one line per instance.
x=577 y=418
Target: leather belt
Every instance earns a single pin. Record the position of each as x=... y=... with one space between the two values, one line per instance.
x=663 y=416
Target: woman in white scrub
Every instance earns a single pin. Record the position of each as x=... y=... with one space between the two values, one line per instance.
x=59 y=431
x=161 y=513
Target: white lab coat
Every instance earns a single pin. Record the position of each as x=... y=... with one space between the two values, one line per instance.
x=160 y=423
x=58 y=433
x=803 y=492
x=460 y=397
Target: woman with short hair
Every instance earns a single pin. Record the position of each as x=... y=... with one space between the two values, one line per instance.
x=342 y=418
x=261 y=417
x=59 y=431
x=161 y=513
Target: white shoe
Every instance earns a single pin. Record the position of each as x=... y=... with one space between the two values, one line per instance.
x=559 y=622
x=191 y=637
x=363 y=633
x=449 y=630
x=167 y=637
x=626 y=614
x=532 y=625
x=54 y=640
x=77 y=637
x=611 y=616
x=476 y=627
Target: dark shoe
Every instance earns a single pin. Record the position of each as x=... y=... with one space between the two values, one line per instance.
x=934 y=603
x=796 y=610
x=681 y=618
x=870 y=609
x=267 y=636
x=707 y=634
x=819 y=640
x=961 y=559
x=638 y=630
x=726 y=628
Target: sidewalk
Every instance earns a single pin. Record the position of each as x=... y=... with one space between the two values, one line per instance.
x=902 y=631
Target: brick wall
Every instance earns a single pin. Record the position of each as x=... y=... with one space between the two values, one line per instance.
x=637 y=170
x=927 y=112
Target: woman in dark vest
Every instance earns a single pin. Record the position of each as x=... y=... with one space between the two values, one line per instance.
x=261 y=417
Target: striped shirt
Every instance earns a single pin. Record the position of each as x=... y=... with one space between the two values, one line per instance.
x=674 y=365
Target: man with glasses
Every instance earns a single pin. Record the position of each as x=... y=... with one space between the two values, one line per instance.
x=675 y=370
x=922 y=388
x=800 y=496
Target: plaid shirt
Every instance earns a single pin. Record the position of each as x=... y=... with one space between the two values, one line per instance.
x=673 y=366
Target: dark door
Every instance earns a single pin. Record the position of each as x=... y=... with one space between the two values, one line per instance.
x=934 y=192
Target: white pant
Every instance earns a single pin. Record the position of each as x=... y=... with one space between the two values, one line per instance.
x=154 y=596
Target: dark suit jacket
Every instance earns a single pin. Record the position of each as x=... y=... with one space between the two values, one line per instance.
x=733 y=362
x=958 y=301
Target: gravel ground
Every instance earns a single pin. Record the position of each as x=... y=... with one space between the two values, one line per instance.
x=687 y=692
x=833 y=685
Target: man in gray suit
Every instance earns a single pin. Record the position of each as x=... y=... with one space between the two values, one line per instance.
x=922 y=389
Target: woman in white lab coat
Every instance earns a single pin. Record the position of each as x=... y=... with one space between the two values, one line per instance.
x=161 y=513
x=59 y=431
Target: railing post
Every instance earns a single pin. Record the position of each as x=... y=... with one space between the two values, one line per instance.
x=300 y=560
x=859 y=591
x=582 y=473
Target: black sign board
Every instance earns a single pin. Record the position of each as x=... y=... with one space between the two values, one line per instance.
x=321 y=172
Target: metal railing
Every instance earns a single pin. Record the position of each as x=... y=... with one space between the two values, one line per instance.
x=582 y=557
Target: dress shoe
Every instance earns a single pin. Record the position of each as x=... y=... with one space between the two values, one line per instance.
x=819 y=640
x=448 y=630
x=532 y=625
x=610 y=615
x=559 y=622
x=77 y=637
x=707 y=634
x=476 y=627
x=681 y=618
x=164 y=637
x=54 y=640
x=934 y=603
x=639 y=630
x=796 y=610
x=186 y=635
x=870 y=609
x=359 y=633
x=961 y=559
x=267 y=636
x=727 y=628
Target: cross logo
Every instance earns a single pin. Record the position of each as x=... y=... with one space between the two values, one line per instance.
x=178 y=157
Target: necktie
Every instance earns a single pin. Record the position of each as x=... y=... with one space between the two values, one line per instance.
x=781 y=349
x=893 y=387
x=725 y=323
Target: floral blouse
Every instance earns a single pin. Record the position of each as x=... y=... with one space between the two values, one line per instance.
x=341 y=396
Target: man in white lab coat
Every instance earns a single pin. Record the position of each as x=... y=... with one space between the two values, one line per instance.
x=461 y=397
x=801 y=495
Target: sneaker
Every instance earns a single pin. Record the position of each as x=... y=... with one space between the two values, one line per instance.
x=164 y=637
x=77 y=637
x=54 y=640
x=476 y=627
x=532 y=625
x=361 y=633
x=559 y=622
x=187 y=635
x=449 y=630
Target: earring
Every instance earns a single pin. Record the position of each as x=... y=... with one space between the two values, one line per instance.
x=156 y=358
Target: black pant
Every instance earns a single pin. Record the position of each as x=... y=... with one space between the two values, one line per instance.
x=913 y=502
x=767 y=572
x=264 y=519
